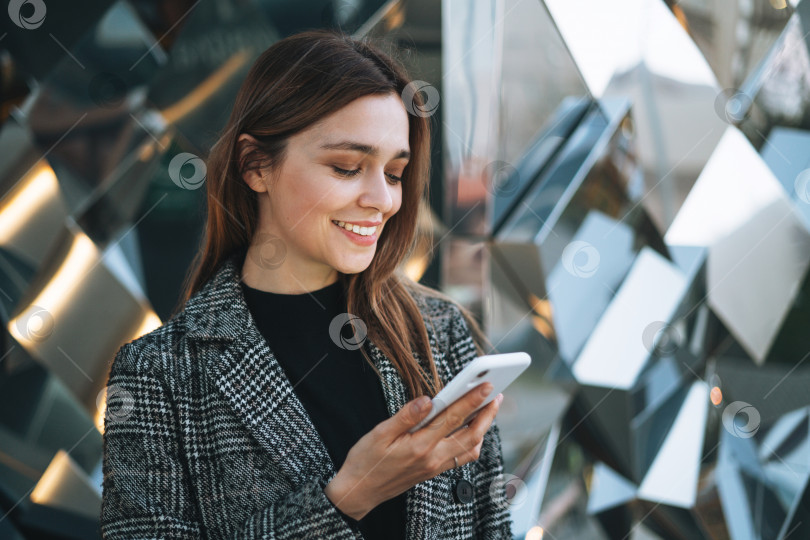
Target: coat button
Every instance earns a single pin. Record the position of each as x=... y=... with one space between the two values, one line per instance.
x=463 y=491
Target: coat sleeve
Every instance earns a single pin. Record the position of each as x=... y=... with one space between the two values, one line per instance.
x=147 y=492
x=492 y=518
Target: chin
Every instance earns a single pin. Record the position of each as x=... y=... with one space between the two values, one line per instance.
x=352 y=267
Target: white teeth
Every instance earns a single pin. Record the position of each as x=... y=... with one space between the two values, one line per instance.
x=357 y=229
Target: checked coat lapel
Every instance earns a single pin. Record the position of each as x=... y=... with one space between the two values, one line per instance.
x=262 y=396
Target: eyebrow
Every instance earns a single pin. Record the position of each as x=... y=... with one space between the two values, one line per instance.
x=373 y=151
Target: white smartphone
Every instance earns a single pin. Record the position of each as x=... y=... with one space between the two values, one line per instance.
x=498 y=369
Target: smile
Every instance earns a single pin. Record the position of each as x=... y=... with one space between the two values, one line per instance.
x=362 y=231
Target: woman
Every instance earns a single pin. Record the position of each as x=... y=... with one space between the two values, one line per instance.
x=278 y=402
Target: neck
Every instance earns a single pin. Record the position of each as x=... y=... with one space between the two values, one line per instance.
x=286 y=278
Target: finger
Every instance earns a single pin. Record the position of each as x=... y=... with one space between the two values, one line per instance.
x=465 y=444
x=407 y=417
x=488 y=406
x=454 y=416
x=481 y=423
x=469 y=455
x=478 y=423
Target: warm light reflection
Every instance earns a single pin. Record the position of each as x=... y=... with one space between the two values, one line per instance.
x=205 y=89
x=26 y=200
x=419 y=258
x=58 y=471
x=148 y=150
x=541 y=306
x=681 y=17
x=415 y=267
x=542 y=321
x=98 y=419
x=543 y=327
x=716 y=395
x=150 y=322
x=58 y=293
x=778 y=4
x=395 y=17
x=535 y=533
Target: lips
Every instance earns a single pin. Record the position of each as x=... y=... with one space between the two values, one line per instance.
x=366 y=240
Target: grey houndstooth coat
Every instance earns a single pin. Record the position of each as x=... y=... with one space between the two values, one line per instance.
x=205 y=438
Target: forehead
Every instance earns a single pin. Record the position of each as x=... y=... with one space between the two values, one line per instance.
x=378 y=123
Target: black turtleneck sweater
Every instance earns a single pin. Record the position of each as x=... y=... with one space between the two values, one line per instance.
x=340 y=391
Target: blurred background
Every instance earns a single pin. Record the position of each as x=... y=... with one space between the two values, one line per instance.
x=621 y=189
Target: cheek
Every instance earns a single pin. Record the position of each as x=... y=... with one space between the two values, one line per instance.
x=304 y=200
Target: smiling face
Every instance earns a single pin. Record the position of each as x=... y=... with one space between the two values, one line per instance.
x=330 y=199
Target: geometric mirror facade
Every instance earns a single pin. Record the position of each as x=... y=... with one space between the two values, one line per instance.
x=620 y=189
x=107 y=109
x=649 y=246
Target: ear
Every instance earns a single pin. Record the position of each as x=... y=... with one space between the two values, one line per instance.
x=256 y=179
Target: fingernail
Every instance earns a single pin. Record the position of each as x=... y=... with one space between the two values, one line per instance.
x=499 y=399
x=422 y=402
x=486 y=389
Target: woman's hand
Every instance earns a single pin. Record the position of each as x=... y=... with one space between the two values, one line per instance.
x=388 y=460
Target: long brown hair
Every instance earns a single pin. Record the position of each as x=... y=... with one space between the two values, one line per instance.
x=292 y=85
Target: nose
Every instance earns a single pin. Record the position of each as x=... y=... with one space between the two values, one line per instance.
x=377 y=191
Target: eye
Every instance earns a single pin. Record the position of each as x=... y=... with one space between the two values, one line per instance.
x=354 y=172
x=345 y=172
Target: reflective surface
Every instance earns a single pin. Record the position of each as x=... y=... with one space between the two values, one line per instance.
x=96 y=236
x=648 y=246
x=621 y=189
